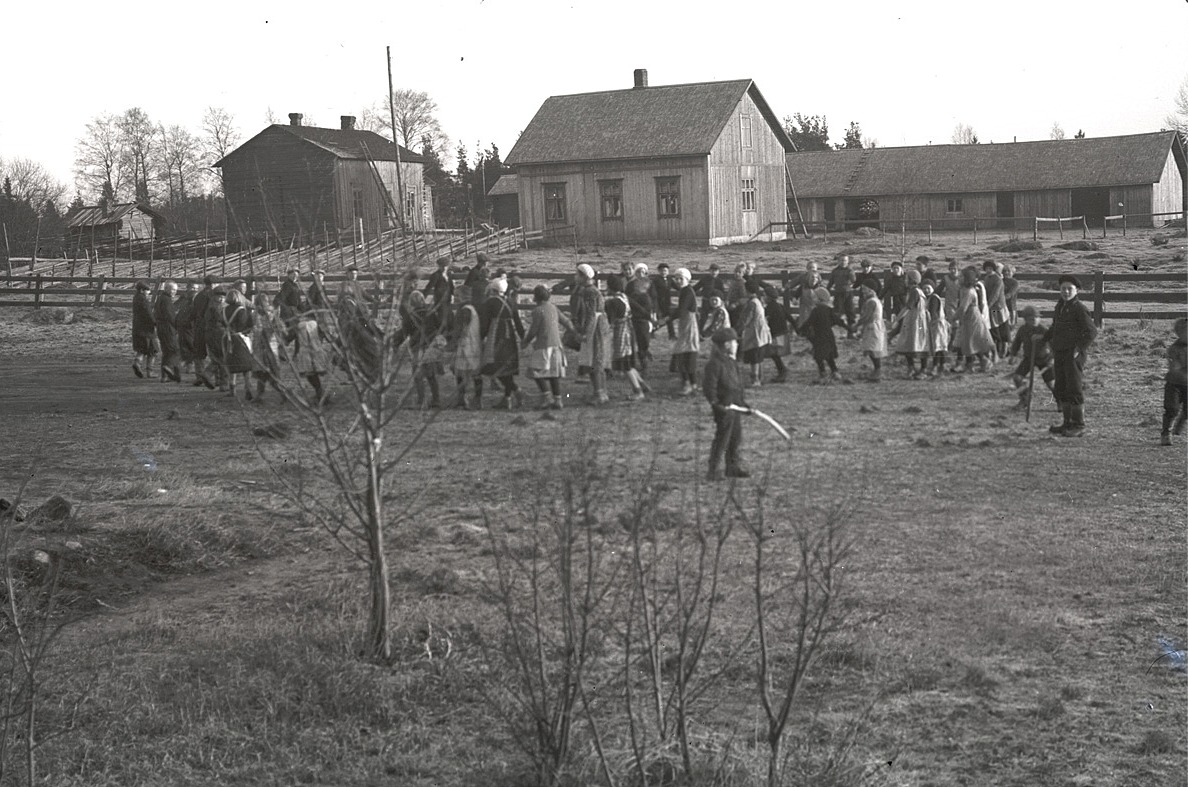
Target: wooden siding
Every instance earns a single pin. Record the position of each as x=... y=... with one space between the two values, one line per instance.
x=640 y=220
x=280 y=187
x=357 y=176
x=1053 y=203
x=1168 y=194
x=730 y=163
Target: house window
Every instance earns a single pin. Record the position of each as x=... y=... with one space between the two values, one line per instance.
x=668 y=198
x=358 y=203
x=610 y=193
x=748 y=193
x=954 y=206
x=554 y=196
x=744 y=128
x=410 y=202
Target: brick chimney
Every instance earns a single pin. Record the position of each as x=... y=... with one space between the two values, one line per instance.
x=348 y=122
x=641 y=77
x=294 y=118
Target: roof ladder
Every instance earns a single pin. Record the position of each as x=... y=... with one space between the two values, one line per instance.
x=858 y=169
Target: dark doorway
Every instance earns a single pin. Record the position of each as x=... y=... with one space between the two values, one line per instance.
x=1093 y=204
x=1005 y=209
x=830 y=214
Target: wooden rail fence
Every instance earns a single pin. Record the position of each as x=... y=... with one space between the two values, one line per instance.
x=1108 y=294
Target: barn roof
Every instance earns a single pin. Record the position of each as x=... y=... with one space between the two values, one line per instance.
x=96 y=216
x=350 y=144
x=507 y=184
x=644 y=122
x=1014 y=166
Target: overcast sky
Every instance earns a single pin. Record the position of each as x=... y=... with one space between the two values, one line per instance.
x=908 y=72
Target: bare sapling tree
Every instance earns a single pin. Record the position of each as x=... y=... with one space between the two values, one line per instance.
x=797 y=571
x=359 y=441
x=674 y=568
x=29 y=627
x=556 y=591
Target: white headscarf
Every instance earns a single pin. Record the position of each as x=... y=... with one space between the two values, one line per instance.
x=586 y=271
x=498 y=285
x=683 y=276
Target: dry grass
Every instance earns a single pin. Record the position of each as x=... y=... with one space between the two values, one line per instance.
x=1008 y=587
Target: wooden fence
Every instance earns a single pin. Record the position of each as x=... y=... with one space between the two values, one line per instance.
x=986 y=224
x=1110 y=295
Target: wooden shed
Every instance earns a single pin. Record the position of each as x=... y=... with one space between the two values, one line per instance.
x=1137 y=174
x=306 y=183
x=699 y=162
x=505 y=201
x=100 y=225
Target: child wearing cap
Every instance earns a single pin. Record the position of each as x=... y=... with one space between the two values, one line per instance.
x=723 y=387
x=1069 y=336
x=1175 y=385
x=1031 y=341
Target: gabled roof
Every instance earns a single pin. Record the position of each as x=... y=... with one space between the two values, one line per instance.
x=644 y=122
x=1013 y=166
x=349 y=144
x=95 y=216
x=507 y=184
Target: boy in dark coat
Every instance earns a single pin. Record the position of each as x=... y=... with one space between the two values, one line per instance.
x=1071 y=333
x=723 y=387
x=144 y=334
x=1175 y=385
x=165 y=318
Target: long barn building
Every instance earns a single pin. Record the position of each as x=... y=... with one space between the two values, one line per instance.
x=698 y=162
x=1138 y=174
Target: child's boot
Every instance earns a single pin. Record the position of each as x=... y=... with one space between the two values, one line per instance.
x=1059 y=429
x=1165 y=437
x=1076 y=421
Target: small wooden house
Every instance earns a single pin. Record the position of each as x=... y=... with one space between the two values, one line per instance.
x=305 y=183
x=699 y=162
x=1137 y=174
x=96 y=225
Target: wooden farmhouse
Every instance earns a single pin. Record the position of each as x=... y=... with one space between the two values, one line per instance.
x=1138 y=175
x=699 y=162
x=100 y=225
x=307 y=183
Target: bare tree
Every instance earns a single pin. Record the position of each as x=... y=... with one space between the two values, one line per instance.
x=1056 y=131
x=31 y=181
x=964 y=134
x=1178 y=119
x=219 y=137
x=180 y=162
x=416 y=117
x=355 y=444
x=139 y=144
x=99 y=164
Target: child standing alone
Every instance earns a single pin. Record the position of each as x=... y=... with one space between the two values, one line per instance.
x=1175 y=386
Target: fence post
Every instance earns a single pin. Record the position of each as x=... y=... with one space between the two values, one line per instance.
x=99 y=291
x=1104 y=223
x=1084 y=228
x=1123 y=225
x=1060 y=226
x=930 y=231
x=975 y=225
x=37 y=293
x=1098 y=297
x=1035 y=228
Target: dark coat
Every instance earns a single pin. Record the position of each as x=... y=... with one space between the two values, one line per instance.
x=501 y=329
x=819 y=331
x=1072 y=327
x=144 y=337
x=289 y=303
x=237 y=350
x=722 y=384
x=165 y=315
x=196 y=322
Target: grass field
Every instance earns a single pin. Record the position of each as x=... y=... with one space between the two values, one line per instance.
x=1005 y=592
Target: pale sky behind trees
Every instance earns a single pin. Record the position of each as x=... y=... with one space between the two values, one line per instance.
x=908 y=72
